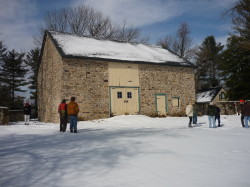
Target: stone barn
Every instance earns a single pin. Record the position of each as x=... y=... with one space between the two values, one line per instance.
x=110 y=78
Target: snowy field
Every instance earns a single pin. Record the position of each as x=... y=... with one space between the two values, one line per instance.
x=126 y=151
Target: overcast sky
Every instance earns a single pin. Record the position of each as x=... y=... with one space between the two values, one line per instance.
x=20 y=19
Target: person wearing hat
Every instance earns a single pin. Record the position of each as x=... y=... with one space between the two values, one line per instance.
x=26 y=112
x=62 y=110
x=242 y=102
x=246 y=113
x=211 y=111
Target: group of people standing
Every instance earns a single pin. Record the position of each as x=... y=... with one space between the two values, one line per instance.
x=70 y=111
x=213 y=113
x=65 y=111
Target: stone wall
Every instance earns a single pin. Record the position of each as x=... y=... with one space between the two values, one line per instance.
x=16 y=115
x=173 y=81
x=49 y=83
x=87 y=80
x=4 y=116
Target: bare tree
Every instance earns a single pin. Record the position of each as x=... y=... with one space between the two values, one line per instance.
x=84 y=20
x=57 y=20
x=181 y=44
x=78 y=19
x=127 y=32
x=183 y=40
x=169 y=43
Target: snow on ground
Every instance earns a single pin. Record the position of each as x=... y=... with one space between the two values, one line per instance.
x=126 y=151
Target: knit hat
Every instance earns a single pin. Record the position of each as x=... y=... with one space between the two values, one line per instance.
x=242 y=100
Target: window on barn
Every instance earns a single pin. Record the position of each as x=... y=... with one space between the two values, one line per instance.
x=176 y=101
x=129 y=95
x=119 y=94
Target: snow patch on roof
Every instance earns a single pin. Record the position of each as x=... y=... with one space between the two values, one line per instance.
x=89 y=47
x=206 y=96
x=3 y=107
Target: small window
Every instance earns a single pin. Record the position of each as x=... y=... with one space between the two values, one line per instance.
x=222 y=95
x=176 y=101
x=129 y=95
x=119 y=94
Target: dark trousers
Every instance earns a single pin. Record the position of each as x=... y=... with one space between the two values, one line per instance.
x=218 y=118
x=63 y=124
x=190 y=121
x=242 y=120
x=194 y=118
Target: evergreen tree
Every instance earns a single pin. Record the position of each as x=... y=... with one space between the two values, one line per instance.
x=241 y=21
x=4 y=94
x=32 y=60
x=236 y=58
x=208 y=57
x=2 y=50
x=236 y=69
x=12 y=76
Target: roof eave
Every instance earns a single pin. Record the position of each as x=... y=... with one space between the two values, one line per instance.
x=168 y=63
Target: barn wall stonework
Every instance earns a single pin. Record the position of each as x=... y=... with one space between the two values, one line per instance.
x=169 y=80
x=49 y=83
x=87 y=80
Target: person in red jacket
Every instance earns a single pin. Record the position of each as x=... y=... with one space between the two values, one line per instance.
x=246 y=113
x=62 y=110
x=242 y=102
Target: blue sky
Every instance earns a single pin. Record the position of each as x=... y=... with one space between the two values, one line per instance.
x=20 y=19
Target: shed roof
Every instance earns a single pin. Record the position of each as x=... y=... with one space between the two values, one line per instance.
x=71 y=45
x=207 y=96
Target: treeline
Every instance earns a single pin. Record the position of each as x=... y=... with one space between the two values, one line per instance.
x=217 y=65
x=18 y=71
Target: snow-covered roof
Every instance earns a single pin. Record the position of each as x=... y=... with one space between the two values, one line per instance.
x=3 y=107
x=80 y=46
x=207 y=96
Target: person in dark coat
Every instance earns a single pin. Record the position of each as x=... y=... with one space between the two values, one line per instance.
x=246 y=113
x=217 y=115
x=195 y=113
x=242 y=102
x=62 y=110
x=211 y=111
x=26 y=112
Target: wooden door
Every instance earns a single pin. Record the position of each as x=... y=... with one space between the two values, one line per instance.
x=124 y=101
x=161 y=105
